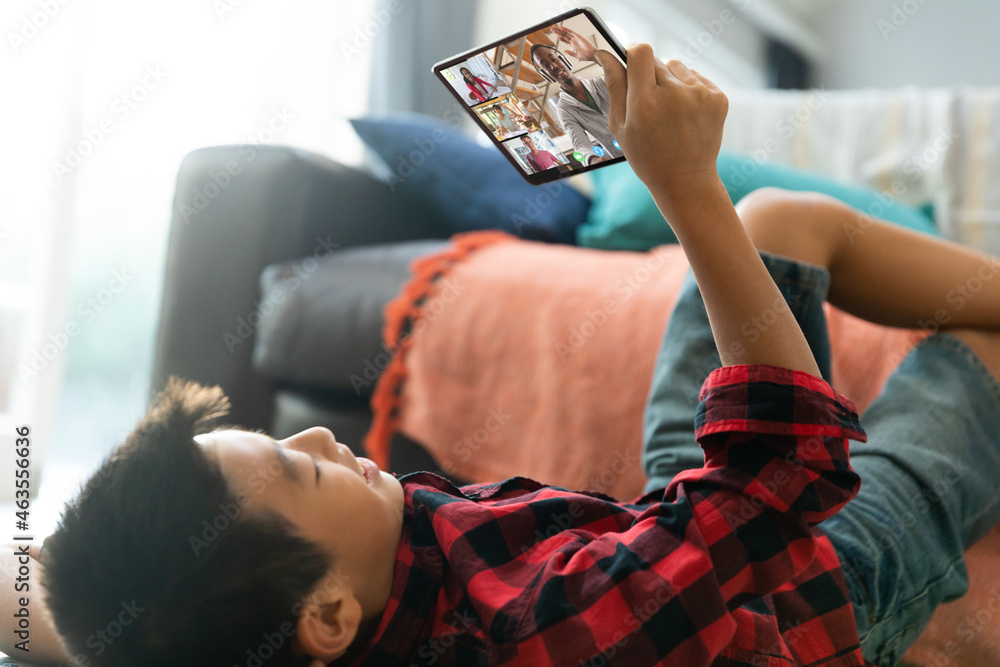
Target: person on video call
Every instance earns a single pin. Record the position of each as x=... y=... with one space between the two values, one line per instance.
x=539 y=160
x=510 y=122
x=482 y=90
x=583 y=103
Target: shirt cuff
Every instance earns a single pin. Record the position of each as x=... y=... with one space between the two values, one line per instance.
x=765 y=399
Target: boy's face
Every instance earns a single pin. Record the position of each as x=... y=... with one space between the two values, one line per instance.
x=342 y=502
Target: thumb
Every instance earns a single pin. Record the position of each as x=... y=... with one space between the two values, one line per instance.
x=617 y=80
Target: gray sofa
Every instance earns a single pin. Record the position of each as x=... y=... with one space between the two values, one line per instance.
x=277 y=271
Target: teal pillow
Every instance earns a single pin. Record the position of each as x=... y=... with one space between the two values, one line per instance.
x=623 y=215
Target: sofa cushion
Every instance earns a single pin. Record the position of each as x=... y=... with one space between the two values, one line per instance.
x=624 y=216
x=470 y=187
x=319 y=321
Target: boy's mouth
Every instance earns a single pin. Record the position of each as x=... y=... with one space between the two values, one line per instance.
x=370 y=470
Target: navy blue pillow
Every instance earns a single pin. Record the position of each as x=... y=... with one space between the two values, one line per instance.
x=470 y=186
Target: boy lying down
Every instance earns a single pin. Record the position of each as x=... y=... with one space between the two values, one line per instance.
x=748 y=549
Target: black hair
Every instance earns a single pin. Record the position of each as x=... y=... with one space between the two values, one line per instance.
x=154 y=564
x=537 y=47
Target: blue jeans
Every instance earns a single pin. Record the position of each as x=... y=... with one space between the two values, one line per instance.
x=930 y=471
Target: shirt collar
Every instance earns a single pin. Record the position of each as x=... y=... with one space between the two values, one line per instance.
x=418 y=573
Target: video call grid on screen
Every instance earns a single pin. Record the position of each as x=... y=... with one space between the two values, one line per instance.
x=541 y=97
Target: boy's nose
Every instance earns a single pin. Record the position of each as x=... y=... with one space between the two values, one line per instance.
x=317 y=440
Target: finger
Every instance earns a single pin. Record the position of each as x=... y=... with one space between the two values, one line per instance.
x=664 y=75
x=681 y=72
x=616 y=78
x=572 y=53
x=705 y=80
x=641 y=68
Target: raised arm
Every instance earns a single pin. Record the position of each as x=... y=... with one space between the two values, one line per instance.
x=668 y=120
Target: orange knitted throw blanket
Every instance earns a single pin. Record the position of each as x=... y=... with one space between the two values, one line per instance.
x=523 y=358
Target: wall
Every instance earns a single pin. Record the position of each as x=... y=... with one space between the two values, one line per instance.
x=714 y=36
x=855 y=43
x=888 y=43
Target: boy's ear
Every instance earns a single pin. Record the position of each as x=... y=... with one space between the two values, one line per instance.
x=327 y=627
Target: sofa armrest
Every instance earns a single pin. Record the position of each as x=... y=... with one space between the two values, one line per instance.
x=236 y=210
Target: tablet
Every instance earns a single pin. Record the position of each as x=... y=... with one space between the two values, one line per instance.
x=540 y=95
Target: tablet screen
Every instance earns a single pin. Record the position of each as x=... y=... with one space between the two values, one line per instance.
x=541 y=96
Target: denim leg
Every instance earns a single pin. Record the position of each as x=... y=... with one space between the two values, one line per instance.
x=687 y=356
x=930 y=487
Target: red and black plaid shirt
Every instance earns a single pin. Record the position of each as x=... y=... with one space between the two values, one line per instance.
x=724 y=567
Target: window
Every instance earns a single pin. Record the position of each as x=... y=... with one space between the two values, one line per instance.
x=111 y=96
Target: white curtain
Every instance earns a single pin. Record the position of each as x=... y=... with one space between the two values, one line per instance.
x=103 y=98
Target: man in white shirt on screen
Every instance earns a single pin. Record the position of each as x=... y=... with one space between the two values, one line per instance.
x=583 y=103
